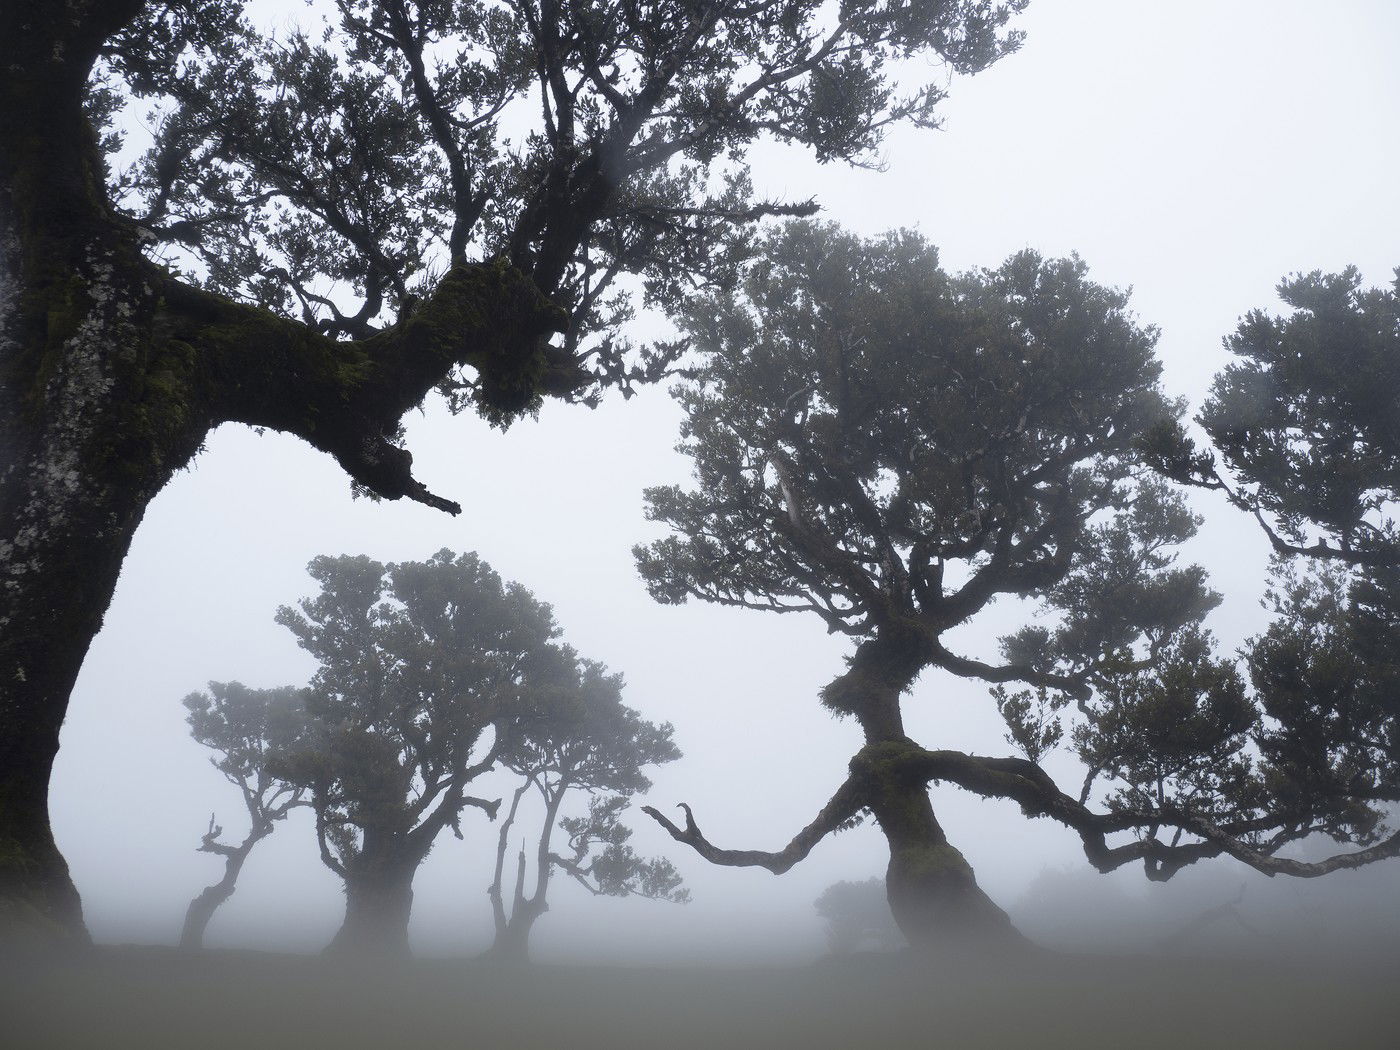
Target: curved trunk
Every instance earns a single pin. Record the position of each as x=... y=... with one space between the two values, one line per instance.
x=202 y=908
x=79 y=462
x=932 y=890
x=81 y=450
x=112 y=372
x=378 y=902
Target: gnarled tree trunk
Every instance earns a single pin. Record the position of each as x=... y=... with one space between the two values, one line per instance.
x=513 y=926
x=111 y=375
x=933 y=892
x=512 y=943
x=378 y=900
x=80 y=455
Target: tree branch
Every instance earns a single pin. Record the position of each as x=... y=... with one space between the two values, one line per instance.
x=844 y=805
x=347 y=398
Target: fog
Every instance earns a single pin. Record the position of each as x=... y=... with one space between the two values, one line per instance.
x=1195 y=151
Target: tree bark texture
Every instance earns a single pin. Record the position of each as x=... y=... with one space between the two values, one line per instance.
x=933 y=892
x=112 y=373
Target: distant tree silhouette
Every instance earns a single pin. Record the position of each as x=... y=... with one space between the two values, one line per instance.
x=421 y=664
x=579 y=739
x=892 y=449
x=858 y=917
x=249 y=729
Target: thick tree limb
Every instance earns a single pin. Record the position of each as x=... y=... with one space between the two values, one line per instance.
x=247 y=365
x=966 y=667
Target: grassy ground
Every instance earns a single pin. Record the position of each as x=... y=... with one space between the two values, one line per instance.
x=152 y=999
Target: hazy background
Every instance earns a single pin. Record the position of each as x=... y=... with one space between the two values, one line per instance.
x=1197 y=151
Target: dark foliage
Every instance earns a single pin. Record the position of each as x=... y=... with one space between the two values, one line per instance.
x=333 y=172
x=1304 y=423
x=893 y=448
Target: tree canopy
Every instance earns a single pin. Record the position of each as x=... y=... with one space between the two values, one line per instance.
x=893 y=448
x=1303 y=426
x=422 y=666
x=332 y=173
x=333 y=221
x=577 y=738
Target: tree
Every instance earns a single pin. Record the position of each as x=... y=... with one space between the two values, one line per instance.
x=857 y=916
x=579 y=738
x=248 y=728
x=419 y=661
x=1305 y=424
x=1304 y=432
x=327 y=228
x=892 y=449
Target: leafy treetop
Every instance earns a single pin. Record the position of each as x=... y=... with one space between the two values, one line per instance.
x=580 y=737
x=418 y=660
x=248 y=729
x=579 y=141
x=892 y=448
x=1304 y=422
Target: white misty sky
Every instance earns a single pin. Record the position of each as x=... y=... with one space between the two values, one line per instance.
x=1196 y=151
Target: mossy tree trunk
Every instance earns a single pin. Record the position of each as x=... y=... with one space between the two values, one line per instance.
x=378 y=898
x=112 y=373
x=933 y=892
x=75 y=318
x=932 y=889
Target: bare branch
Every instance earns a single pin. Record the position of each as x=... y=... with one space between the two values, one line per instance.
x=845 y=804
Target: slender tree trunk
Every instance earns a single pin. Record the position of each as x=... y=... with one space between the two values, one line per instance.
x=202 y=908
x=932 y=890
x=508 y=945
x=512 y=942
x=378 y=901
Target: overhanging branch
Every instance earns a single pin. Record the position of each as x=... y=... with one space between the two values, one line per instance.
x=238 y=363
